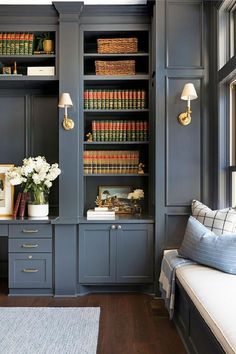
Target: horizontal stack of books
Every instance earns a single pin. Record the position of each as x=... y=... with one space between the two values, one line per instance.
x=111 y=162
x=100 y=214
x=119 y=130
x=115 y=99
x=16 y=43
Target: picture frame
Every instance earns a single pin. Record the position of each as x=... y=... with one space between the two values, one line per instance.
x=6 y=70
x=116 y=197
x=6 y=192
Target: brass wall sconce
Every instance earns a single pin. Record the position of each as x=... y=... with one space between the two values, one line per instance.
x=188 y=94
x=65 y=102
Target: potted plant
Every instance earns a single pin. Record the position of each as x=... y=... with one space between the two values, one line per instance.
x=35 y=176
x=44 y=43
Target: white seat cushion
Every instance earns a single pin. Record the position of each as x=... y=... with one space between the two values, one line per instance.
x=214 y=295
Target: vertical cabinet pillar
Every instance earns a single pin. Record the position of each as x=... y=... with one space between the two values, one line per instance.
x=68 y=78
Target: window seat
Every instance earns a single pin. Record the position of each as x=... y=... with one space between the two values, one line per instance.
x=212 y=294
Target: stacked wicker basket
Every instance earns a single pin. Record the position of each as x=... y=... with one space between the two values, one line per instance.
x=116 y=46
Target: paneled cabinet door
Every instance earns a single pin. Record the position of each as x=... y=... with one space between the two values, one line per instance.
x=134 y=253
x=97 y=246
x=115 y=253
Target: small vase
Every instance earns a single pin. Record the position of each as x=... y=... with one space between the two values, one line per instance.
x=38 y=204
x=136 y=208
x=48 y=46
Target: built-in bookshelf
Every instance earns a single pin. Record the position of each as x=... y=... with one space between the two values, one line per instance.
x=23 y=56
x=116 y=111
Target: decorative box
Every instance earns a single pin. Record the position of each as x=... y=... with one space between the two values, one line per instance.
x=41 y=70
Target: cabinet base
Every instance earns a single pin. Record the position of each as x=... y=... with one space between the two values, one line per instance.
x=105 y=288
x=30 y=292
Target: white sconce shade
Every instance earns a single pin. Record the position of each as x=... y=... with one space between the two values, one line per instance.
x=189 y=92
x=65 y=100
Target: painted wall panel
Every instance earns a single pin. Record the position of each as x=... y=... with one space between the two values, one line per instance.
x=12 y=128
x=183 y=145
x=184 y=34
x=175 y=228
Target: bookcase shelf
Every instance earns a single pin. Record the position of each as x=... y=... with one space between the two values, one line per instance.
x=116 y=91
x=117 y=175
x=116 y=143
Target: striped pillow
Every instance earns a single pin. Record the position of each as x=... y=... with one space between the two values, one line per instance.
x=204 y=247
x=221 y=221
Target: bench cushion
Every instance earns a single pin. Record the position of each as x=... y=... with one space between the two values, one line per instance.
x=213 y=293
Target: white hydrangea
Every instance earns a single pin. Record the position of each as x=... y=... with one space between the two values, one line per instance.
x=34 y=171
x=136 y=194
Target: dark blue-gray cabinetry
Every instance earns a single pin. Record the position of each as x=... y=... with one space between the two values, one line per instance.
x=115 y=253
x=30 y=259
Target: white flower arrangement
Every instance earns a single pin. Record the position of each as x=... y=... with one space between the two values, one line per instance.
x=35 y=176
x=136 y=194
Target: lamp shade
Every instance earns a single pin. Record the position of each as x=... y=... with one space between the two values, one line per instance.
x=189 y=92
x=65 y=100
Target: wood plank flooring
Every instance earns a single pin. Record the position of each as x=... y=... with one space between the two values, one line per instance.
x=129 y=324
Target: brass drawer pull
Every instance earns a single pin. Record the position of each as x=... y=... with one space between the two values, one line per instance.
x=30 y=231
x=28 y=270
x=29 y=245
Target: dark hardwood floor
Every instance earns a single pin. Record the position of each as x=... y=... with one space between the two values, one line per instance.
x=129 y=323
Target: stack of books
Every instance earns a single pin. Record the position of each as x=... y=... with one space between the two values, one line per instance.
x=20 y=204
x=119 y=130
x=16 y=43
x=111 y=162
x=100 y=214
x=115 y=99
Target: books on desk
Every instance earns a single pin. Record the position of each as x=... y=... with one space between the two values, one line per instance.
x=100 y=214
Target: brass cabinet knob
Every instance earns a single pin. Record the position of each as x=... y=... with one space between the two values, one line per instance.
x=119 y=227
x=113 y=227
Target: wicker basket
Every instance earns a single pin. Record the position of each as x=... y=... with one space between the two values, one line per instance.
x=117 y=45
x=122 y=67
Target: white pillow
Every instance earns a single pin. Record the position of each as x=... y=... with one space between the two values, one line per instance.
x=222 y=221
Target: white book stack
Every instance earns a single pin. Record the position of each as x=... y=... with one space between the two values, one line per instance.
x=100 y=214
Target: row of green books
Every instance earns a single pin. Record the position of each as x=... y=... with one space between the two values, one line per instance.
x=16 y=43
x=115 y=99
x=119 y=130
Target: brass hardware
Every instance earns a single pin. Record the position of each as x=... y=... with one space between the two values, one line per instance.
x=68 y=124
x=185 y=117
x=141 y=168
x=30 y=257
x=30 y=270
x=89 y=137
x=119 y=227
x=113 y=227
x=30 y=231
x=29 y=245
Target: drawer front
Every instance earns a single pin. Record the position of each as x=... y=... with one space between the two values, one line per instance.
x=3 y=230
x=30 y=245
x=30 y=271
x=30 y=230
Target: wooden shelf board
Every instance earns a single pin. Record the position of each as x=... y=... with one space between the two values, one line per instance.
x=117 y=175
x=116 y=78
x=98 y=55
x=116 y=142
x=116 y=110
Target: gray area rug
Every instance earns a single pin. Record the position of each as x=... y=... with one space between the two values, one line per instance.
x=49 y=330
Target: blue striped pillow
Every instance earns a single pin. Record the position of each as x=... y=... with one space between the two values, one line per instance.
x=203 y=246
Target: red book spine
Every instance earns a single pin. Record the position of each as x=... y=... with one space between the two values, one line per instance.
x=17 y=204
x=22 y=205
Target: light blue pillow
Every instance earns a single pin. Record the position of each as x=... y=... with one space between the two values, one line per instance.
x=204 y=247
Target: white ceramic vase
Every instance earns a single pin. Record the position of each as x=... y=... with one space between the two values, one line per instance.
x=38 y=210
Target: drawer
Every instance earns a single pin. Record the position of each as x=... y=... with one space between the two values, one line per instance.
x=30 y=271
x=30 y=245
x=3 y=230
x=30 y=230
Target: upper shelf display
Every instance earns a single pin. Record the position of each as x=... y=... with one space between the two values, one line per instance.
x=27 y=54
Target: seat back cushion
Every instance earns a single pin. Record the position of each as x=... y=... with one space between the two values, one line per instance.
x=203 y=246
x=222 y=221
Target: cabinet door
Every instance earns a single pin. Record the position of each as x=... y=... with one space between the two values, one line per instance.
x=134 y=253
x=97 y=245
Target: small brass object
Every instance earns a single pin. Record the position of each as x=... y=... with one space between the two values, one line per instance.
x=141 y=168
x=14 y=69
x=68 y=124
x=89 y=137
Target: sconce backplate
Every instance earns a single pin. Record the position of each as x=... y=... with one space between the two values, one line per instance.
x=184 y=118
